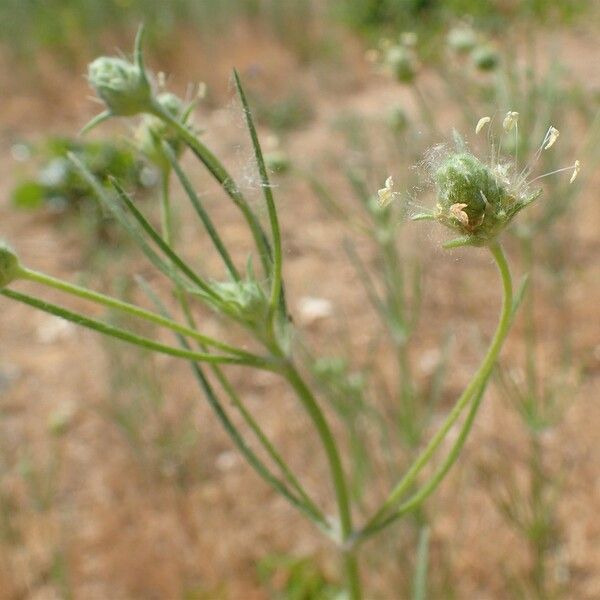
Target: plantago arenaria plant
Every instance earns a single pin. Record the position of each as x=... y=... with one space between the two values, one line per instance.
x=475 y=199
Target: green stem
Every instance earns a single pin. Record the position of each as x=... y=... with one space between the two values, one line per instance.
x=267 y=445
x=200 y=211
x=167 y=250
x=240 y=443
x=268 y=194
x=218 y=171
x=311 y=509
x=479 y=380
x=417 y=499
x=130 y=309
x=337 y=472
x=165 y=208
x=302 y=503
x=131 y=338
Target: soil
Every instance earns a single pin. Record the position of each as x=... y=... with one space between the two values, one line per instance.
x=87 y=508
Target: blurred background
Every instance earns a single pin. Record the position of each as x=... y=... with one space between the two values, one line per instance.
x=115 y=478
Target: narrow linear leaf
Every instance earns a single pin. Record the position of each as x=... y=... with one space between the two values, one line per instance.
x=131 y=229
x=200 y=211
x=159 y=241
x=126 y=336
x=276 y=282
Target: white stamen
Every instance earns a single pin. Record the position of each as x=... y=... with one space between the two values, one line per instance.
x=510 y=120
x=386 y=194
x=481 y=123
x=551 y=137
x=576 y=169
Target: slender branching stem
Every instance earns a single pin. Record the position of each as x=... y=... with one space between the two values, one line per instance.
x=218 y=171
x=337 y=473
x=130 y=309
x=267 y=363
x=201 y=211
x=479 y=379
x=165 y=208
x=303 y=501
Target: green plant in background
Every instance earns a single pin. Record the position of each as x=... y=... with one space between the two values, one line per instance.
x=53 y=184
x=399 y=408
x=59 y=185
x=294 y=578
x=469 y=191
x=478 y=78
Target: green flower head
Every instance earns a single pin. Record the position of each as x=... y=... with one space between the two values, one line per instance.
x=401 y=61
x=121 y=85
x=478 y=199
x=124 y=86
x=485 y=58
x=9 y=265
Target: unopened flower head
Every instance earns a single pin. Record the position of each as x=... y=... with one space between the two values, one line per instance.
x=462 y=39
x=121 y=85
x=485 y=58
x=124 y=86
x=10 y=267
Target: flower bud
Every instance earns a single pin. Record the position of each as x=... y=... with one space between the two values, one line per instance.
x=398 y=119
x=462 y=39
x=485 y=58
x=277 y=161
x=123 y=86
x=402 y=63
x=243 y=301
x=9 y=265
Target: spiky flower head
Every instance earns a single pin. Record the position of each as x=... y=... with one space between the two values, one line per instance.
x=485 y=58
x=9 y=265
x=462 y=39
x=476 y=200
x=479 y=199
x=124 y=86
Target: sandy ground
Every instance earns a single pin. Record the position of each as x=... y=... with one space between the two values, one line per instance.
x=88 y=510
